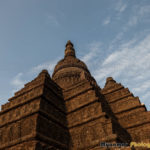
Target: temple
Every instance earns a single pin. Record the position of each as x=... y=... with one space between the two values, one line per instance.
x=69 y=111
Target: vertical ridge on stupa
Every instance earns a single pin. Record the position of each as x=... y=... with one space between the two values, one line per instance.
x=71 y=112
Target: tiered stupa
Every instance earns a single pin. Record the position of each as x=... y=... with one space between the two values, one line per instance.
x=71 y=112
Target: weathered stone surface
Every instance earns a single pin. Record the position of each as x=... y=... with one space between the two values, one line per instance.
x=71 y=112
x=131 y=114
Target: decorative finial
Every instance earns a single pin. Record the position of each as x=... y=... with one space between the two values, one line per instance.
x=109 y=82
x=109 y=79
x=44 y=72
x=69 y=51
x=69 y=43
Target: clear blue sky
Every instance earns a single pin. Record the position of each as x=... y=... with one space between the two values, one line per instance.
x=111 y=36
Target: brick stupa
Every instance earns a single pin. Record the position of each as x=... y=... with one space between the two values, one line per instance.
x=71 y=112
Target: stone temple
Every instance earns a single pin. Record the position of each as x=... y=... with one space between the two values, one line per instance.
x=69 y=111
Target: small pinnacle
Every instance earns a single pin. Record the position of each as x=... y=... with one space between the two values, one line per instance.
x=44 y=71
x=109 y=79
x=69 y=51
x=109 y=82
x=69 y=43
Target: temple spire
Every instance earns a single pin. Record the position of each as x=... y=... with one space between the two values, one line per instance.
x=69 y=51
x=109 y=82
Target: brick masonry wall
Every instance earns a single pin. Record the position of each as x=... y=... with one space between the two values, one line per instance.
x=131 y=114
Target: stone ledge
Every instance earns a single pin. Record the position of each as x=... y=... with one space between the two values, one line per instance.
x=50 y=140
x=53 y=119
x=117 y=99
x=19 y=104
x=18 y=141
x=67 y=95
x=52 y=103
x=110 y=138
x=108 y=91
x=85 y=105
x=22 y=117
x=79 y=124
x=126 y=110
x=137 y=125
x=134 y=121
x=32 y=94
x=27 y=91
x=124 y=105
x=75 y=86
x=72 y=96
x=31 y=137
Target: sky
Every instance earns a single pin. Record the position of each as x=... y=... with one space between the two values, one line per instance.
x=111 y=36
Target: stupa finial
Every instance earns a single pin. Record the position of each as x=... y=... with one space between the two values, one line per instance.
x=69 y=43
x=69 y=51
